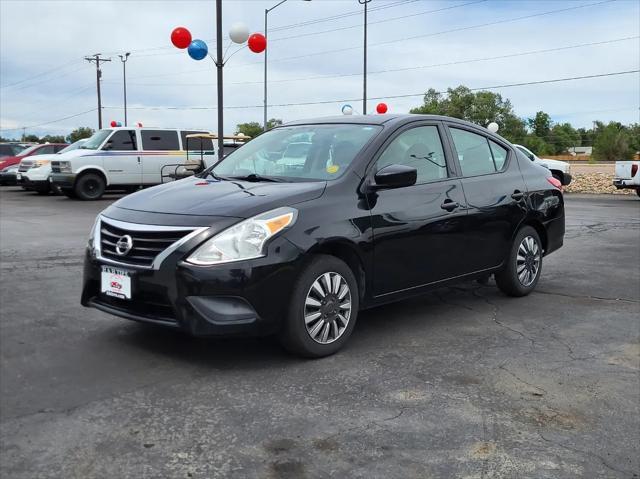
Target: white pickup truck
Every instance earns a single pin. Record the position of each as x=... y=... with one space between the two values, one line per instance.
x=561 y=170
x=627 y=175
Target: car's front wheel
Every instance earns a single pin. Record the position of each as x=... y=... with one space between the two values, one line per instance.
x=90 y=186
x=521 y=271
x=323 y=309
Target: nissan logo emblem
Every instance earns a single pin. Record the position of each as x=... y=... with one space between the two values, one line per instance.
x=124 y=245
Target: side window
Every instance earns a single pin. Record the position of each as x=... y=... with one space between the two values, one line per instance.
x=194 y=143
x=163 y=140
x=499 y=154
x=45 y=150
x=473 y=151
x=420 y=148
x=122 y=140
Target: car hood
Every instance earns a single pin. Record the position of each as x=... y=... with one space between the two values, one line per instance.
x=33 y=158
x=556 y=164
x=208 y=197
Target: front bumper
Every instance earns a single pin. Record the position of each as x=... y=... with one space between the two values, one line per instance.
x=63 y=180
x=33 y=184
x=620 y=183
x=243 y=298
x=8 y=179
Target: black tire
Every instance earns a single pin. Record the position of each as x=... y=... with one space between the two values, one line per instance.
x=89 y=187
x=638 y=191
x=68 y=193
x=295 y=336
x=508 y=279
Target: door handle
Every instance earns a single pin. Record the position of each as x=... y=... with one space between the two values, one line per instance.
x=138 y=159
x=449 y=205
x=517 y=195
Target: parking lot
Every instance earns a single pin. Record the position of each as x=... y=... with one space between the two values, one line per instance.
x=463 y=382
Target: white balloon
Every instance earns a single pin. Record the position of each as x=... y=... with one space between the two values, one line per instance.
x=347 y=110
x=493 y=127
x=239 y=32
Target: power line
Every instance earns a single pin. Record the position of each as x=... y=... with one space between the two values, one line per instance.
x=418 y=67
x=60 y=67
x=51 y=121
x=387 y=97
x=470 y=27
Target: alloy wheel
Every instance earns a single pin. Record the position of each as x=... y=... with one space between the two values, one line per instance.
x=528 y=261
x=327 y=308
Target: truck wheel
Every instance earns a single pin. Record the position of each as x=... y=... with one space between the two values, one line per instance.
x=521 y=271
x=89 y=186
x=323 y=308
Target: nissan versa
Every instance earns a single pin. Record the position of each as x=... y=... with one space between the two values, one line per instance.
x=377 y=209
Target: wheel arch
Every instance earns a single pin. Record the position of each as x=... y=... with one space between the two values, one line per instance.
x=346 y=252
x=540 y=229
x=92 y=169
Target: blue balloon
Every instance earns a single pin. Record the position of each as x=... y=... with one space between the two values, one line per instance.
x=198 y=49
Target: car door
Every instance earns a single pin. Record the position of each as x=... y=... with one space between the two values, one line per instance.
x=160 y=148
x=495 y=193
x=418 y=230
x=121 y=158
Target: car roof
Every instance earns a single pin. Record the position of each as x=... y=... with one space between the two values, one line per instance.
x=378 y=119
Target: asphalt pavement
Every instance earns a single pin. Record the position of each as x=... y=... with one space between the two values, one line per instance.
x=463 y=382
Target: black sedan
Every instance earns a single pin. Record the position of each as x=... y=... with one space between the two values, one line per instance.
x=9 y=176
x=381 y=208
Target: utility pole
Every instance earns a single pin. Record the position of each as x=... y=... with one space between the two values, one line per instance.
x=364 y=70
x=123 y=59
x=219 y=65
x=97 y=59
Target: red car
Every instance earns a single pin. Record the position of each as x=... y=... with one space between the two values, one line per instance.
x=45 y=149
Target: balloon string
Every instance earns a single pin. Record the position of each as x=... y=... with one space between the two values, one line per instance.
x=232 y=54
x=225 y=51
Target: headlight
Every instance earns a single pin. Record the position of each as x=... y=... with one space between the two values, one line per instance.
x=245 y=240
x=39 y=163
x=65 y=166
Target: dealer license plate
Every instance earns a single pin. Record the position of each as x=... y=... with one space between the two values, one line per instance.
x=18 y=176
x=115 y=282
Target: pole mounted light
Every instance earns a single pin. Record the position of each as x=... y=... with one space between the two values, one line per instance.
x=123 y=59
x=266 y=15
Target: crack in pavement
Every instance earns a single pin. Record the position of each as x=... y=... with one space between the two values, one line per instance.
x=588 y=454
x=517 y=378
x=578 y=296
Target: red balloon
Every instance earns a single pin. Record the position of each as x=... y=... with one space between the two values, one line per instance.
x=113 y=123
x=181 y=37
x=381 y=108
x=257 y=43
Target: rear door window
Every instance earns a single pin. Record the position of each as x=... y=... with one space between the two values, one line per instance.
x=45 y=150
x=473 y=151
x=122 y=140
x=163 y=140
x=194 y=144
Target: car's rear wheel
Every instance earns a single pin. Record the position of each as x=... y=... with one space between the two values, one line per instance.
x=90 y=186
x=521 y=271
x=323 y=310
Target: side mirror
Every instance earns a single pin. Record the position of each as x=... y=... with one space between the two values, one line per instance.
x=395 y=176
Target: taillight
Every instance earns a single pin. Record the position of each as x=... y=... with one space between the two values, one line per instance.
x=634 y=170
x=555 y=182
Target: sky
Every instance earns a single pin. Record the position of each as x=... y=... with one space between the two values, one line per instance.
x=315 y=57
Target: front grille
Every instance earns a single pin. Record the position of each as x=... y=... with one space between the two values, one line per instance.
x=146 y=244
x=152 y=305
x=55 y=167
x=25 y=166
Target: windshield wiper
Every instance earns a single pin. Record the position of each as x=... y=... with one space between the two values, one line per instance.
x=254 y=177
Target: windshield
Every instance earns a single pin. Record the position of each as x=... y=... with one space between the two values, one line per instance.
x=94 y=142
x=28 y=151
x=311 y=152
x=73 y=146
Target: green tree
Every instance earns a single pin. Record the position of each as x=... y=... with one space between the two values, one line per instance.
x=254 y=128
x=612 y=142
x=540 y=124
x=79 y=134
x=52 y=139
x=481 y=108
x=562 y=137
x=634 y=137
x=30 y=138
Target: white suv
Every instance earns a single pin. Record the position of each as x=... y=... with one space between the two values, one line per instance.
x=122 y=158
x=561 y=170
